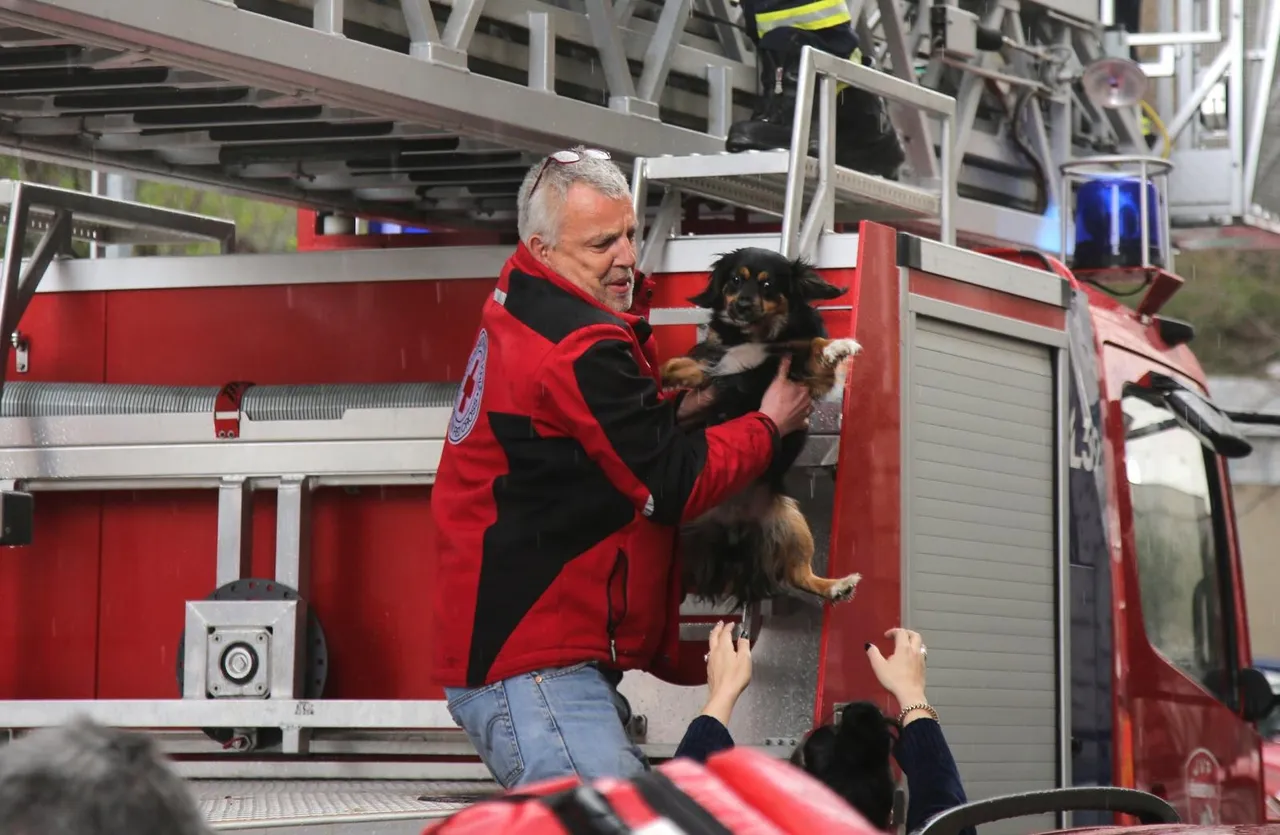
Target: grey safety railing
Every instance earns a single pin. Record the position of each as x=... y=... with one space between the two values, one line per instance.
x=820 y=75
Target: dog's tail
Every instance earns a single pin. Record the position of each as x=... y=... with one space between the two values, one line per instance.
x=725 y=560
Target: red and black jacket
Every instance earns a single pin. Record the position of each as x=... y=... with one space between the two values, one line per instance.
x=561 y=482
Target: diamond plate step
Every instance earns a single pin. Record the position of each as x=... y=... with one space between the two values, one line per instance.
x=238 y=804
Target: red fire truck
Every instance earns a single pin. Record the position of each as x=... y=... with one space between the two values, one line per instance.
x=232 y=455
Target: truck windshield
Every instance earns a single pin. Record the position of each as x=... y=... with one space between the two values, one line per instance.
x=1269 y=728
x=1171 y=487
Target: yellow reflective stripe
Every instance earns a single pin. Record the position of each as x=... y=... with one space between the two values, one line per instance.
x=805 y=9
x=856 y=58
x=825 y=23
x=821 y=14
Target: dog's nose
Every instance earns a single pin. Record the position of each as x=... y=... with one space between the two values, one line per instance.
x=743 y=304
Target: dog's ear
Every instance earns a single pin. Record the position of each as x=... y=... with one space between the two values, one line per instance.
x=811 y=286
x=711 y=297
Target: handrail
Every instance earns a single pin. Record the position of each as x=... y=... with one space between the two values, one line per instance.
x=1148 y=808
x=825 y=71
x=819 y=75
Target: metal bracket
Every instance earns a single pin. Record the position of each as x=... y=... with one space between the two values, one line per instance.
x=19 y=280
x=328 y=15
x=63 y=215
x=664 y=227
x=235 y=530
x=227 y=410
x=638 y=728
x=21 y=352
x=424 y=35
x=280 y=668
x=293 y=532
x=626 y=95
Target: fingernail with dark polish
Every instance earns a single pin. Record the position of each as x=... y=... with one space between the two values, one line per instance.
x=867 y=646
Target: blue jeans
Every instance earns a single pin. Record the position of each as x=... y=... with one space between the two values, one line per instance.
x=550 y=723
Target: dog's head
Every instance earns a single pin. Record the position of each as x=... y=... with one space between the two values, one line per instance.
x=756 y=289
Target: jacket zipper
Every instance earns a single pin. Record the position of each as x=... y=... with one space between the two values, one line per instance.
x=617 y=578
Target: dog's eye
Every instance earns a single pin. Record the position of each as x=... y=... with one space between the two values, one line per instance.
x=735 y=280
x=766 y=284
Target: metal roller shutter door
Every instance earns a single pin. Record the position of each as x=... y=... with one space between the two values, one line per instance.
x=981 y=578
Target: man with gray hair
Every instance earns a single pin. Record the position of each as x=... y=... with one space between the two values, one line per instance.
x=84 y=779
x=561 y=487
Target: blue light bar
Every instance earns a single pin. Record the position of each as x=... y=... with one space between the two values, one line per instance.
x=379 y=227
x=1108 y=232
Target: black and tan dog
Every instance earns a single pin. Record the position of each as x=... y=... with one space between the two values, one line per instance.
x=757 y=543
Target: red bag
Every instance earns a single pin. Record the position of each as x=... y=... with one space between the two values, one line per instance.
x=739 y=792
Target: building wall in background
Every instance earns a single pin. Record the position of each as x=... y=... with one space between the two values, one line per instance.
x=1256 y=484
x=1258 y=524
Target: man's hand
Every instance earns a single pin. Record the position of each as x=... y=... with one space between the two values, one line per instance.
x=787 y=403
x=693 y=404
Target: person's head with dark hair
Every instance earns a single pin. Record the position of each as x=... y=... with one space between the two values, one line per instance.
x=852 y=758
x=85 y=779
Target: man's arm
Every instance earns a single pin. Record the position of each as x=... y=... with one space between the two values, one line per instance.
x=596 y=392
x=690 y=404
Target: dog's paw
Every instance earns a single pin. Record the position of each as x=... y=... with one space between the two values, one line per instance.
x=682 y=372
x=838 y=350
x=844 y=589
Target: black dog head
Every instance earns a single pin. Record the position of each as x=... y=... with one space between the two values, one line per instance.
x=755 y=288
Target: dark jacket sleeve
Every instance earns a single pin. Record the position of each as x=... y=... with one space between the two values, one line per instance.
x=933 y=781
x=705 y=736
x=595 y=391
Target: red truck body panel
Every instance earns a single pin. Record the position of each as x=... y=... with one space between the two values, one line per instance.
x=94 y=609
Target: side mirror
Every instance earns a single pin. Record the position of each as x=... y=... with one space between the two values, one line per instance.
x=1256 y=696
x=1196 y=414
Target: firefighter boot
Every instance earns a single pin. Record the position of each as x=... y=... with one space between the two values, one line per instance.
x=769 y=127
x=865 y=138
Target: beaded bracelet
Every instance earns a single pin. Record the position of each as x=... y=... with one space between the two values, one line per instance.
x=922 y=706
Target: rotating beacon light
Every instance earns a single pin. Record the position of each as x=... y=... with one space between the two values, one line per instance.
x=1108 y=224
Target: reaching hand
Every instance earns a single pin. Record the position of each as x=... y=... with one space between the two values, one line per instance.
x=903 y=672
x=728 y=672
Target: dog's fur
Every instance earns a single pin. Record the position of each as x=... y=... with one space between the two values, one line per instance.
x=757 y=543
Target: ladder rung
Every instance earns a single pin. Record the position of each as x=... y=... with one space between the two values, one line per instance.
x=757 y=181
x=697 y=166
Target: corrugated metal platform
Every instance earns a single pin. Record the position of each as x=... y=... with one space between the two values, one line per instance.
x=303 y=805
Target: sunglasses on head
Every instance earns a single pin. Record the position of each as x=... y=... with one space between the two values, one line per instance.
x=567 y=157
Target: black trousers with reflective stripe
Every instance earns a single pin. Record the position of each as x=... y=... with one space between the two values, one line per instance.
x=837 y=40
